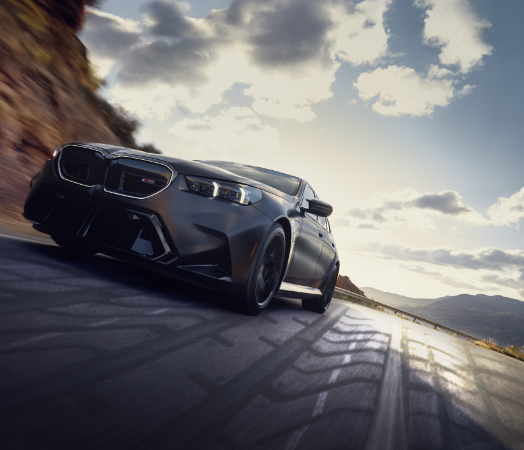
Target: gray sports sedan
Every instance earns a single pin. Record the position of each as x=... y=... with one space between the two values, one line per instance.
x=252 y=231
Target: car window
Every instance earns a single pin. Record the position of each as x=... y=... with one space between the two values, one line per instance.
x=322 y=221
x=308 y=195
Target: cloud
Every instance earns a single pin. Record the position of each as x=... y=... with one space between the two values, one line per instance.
x=287 y=33
x=416 y=210
x=455 y=230
x=446 y=202
x=407 y=206
x=167 y=19
x=285 y=51
x=438 y=276
x=233 y=128
x=453 y=26
x=491 y=259
x=360 y=37
x=480 y=270
x=466 y=90
x=108 y=37
x=506 y=282
x=367 y=226
x=402 y=91
x=339 y=222
x=508 y=211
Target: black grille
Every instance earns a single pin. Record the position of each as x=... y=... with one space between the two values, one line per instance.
x=128 y=176
x=136 y=177
x=82 y=165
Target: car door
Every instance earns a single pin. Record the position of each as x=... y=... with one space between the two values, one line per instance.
x=328 y=249
x=308 y=247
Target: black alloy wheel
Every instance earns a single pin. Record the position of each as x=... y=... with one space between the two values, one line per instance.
x=265 y=273
x=320 y=304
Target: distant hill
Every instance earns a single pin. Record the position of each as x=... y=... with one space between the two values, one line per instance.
x=483 y=316
x=494 y=303
x=396 y=300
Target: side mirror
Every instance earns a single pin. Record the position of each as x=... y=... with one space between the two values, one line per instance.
x=319 y=208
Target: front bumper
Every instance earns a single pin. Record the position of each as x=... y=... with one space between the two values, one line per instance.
x=175 y=232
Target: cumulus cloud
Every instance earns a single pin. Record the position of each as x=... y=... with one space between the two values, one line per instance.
x=465 y=90
x=108 y=37
x=360 y=37
x=168 y=19
x=415 y=209
x=233 y=128
x=403 y=91
x=485 y=269
x=290 y=32
x=508 y=211
x=453 y=26
x=491 y=259
x=446 y=202
x=285 y=51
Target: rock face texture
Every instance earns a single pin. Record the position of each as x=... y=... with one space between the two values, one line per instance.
x=46 y=92
x=344 y=282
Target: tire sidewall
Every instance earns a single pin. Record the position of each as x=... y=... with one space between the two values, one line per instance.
x=248 y=296
x=333 y=274
x=318 y=303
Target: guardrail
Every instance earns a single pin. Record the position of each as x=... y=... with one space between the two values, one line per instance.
x=413 y=316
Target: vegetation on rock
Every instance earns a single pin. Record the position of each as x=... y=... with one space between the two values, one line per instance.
x=344 y=282
x=48 y=93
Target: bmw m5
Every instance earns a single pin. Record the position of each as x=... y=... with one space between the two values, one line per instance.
x=254 y=232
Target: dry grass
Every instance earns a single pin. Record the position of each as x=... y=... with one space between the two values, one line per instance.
x=512 y=351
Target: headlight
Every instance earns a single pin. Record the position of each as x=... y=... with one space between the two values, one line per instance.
x=236 y=193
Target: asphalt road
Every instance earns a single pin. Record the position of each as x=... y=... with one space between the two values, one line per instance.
x=96 y=353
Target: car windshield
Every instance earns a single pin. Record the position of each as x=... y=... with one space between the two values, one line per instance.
x=281 y=181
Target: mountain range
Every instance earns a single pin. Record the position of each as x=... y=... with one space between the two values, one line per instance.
x=484 y=316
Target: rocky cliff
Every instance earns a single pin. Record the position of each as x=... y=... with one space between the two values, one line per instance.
x=344 y=282
x=47 y=92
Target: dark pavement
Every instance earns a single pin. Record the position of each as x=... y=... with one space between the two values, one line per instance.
x=96 y=353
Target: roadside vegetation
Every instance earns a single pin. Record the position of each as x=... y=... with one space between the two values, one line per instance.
x=512 y=351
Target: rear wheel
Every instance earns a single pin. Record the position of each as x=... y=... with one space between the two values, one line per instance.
x=265 y=273
x=69 y=244
x=321 y=303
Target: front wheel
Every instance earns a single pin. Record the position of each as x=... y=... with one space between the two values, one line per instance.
x=265 y=273
x=321 y=303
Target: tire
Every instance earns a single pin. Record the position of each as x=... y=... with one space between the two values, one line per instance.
x=265 y=274
x=320 y=304
x=68 y=244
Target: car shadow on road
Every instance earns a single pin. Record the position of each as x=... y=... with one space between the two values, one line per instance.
x=97 y=353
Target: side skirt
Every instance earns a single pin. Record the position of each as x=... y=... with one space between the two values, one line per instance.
x=297 y=291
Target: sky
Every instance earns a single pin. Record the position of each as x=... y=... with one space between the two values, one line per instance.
x=405 y=115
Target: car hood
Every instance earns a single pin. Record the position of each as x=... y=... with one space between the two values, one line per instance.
x=194 y=168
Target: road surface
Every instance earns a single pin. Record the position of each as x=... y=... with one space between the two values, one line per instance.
x=96 y=353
